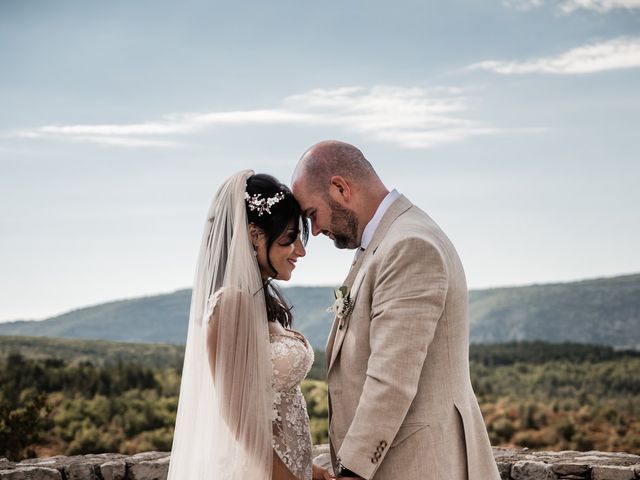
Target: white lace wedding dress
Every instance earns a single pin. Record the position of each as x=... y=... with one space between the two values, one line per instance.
x=292 y=358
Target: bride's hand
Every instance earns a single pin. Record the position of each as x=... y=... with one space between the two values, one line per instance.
x=320 y=473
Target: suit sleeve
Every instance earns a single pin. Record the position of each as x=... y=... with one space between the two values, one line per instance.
x=407 y=302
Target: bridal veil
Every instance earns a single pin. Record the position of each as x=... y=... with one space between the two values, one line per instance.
x=223 y=425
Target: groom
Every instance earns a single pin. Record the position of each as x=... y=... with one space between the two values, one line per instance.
x=401 y=405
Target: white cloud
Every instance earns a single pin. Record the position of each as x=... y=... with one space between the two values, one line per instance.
x=98 y=136
x=523 y=5
x=570 y=6
x=410 y=117
x=601 y=6
x=622 y=52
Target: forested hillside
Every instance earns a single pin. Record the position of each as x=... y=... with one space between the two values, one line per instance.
x=536 y=395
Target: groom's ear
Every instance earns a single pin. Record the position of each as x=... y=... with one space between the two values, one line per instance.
x=340 y=188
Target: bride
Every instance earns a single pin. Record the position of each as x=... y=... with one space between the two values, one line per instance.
x=241 y=413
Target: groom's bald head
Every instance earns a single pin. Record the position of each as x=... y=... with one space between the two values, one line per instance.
x=338 y=190
x=333 y=158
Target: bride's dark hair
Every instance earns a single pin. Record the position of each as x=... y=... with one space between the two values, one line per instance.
x=274 y=224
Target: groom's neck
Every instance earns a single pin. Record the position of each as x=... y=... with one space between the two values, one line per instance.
x=372 y=201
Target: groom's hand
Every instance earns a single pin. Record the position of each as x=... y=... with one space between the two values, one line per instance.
x=320 y=473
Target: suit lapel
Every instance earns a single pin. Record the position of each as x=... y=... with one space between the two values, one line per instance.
x=355 y=268
x=357 y=272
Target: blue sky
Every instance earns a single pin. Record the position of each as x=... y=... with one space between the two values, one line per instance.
x=514 y=124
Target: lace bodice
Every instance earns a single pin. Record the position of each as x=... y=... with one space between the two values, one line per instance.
x=292 y=358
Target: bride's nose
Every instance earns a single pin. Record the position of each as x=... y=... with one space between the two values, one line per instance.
x=299 y=248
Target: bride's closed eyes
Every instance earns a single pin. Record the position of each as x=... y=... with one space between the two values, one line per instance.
x=288 y=237
x=292 y=234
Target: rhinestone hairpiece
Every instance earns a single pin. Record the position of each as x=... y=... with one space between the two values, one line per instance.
x=262 y=205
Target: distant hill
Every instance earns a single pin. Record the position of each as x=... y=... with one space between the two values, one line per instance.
x=158 y=318
x=164 y=318
x=601 y=311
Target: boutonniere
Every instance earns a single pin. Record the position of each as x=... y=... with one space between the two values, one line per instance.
x=342 y=307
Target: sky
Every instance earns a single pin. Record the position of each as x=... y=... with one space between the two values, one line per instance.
x=513 y=123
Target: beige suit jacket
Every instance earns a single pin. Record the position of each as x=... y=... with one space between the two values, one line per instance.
x=401 y=405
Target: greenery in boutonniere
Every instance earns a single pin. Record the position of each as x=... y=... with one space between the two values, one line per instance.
x=342 y=305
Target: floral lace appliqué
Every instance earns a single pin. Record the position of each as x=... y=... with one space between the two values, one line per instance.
x=291 y=358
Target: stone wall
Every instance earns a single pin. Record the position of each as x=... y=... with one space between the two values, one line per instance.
x=513 y=465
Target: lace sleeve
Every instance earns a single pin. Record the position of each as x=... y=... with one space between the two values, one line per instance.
x=211 y=303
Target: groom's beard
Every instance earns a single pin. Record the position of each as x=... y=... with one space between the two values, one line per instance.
x=344 y=226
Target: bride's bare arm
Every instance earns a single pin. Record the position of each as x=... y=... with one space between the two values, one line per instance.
x=280 y=470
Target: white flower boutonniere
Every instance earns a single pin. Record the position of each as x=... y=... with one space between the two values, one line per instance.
x=342 y=307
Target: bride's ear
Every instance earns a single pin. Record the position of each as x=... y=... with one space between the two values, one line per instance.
x=256 y=234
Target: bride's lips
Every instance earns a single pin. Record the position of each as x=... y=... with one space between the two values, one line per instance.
x=292 y=262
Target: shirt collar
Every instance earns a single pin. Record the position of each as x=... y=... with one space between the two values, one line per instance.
x=371 y=227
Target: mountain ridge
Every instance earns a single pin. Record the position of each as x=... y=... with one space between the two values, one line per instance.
x=604 y=310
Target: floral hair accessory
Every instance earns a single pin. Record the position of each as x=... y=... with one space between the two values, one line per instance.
x=262 y=205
